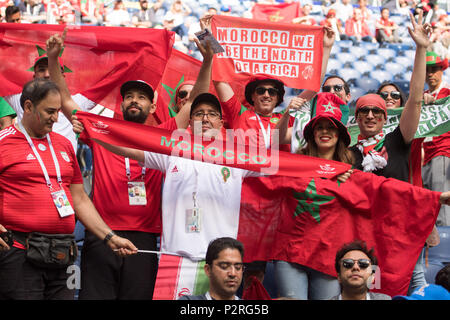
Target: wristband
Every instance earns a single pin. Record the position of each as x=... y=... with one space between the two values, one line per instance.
x=108 y=236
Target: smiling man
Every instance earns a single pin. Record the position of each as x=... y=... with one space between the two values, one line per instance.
x=354 y=265
x=388 y=154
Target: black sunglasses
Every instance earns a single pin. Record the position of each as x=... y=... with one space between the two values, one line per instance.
x=365 y=111
x=336 y=88
x=261 y=90
x=394 y=95
x=349 y=263
x=182 y=94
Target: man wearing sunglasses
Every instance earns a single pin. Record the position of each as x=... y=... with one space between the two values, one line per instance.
x=355 y=266
x=224 y=269
x=264 y=94
x=388 y=154
x=437 y=149
x=182 y=95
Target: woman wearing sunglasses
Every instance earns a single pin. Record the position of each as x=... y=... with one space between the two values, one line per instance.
x=327 y=138
x=392 y=94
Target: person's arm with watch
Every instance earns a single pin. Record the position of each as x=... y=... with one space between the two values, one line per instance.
x=90 y=218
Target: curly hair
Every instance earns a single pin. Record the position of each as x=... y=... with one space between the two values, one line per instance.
x=358 y=245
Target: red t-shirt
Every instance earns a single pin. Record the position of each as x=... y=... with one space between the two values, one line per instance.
x=236 y=118
x=386 y=23
x=26 y=202
x=439 y=146
x=110 y=190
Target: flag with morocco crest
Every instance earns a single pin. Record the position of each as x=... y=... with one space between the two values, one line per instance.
x=100 y=58
x=297 y=216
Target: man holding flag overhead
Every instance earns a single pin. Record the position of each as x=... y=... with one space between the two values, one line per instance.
x=134 y=210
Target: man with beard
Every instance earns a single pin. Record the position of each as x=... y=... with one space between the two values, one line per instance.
x=115 y=180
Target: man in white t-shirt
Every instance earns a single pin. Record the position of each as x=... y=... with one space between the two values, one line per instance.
x=200 y=200
x=62 y=126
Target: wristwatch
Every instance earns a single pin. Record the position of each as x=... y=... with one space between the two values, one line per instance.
x=109 y=236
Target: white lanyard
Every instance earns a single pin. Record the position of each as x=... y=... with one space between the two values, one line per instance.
x=266 y=133
x=128 y=171
x=41 y=163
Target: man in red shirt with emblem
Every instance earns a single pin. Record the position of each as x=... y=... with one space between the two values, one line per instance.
x=37 y=168
x=115 y=182
x=436 y=164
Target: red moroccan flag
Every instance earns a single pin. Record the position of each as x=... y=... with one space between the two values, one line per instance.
x=281 y=12
x=289 y=52
x=100 y=58
x=228 y=153
x=306 y=221
x=297 y=216
x=180 y=68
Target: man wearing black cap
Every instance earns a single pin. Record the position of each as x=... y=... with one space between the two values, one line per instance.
x=200 y=200
x=125 y=194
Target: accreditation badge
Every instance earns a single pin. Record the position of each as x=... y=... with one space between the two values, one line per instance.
x=193 y=220
x=62 y=203
x=137 y=195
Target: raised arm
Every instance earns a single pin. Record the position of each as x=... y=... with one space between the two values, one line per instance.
x=328 y=41
x=201 y=84
x=410 y=117
x=54 y=46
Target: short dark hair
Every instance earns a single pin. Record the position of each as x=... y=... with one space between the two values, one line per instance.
x=10 y=10
x=37 y=90
x=218 y=245
x=355 y=245
x=346 y=86
x=443 y=277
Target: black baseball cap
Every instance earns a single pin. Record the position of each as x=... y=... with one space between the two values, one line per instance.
x=137 y=84
x=207 y=98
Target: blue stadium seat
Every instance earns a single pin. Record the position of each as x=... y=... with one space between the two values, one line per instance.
x=382 y=75
x=410 y=54
x=404 y=61
x=368 y=84
x=349 y=74
x=386 y=53
x=394 y=68
x=359 y=52
x=433 y=268
x=345 y=57
x=407 y=75
x=344 y=43
x=404 y=85
x=356 y=92
x=333 y=64
x=369 y=45
x=375 y=59
x=363 y=66
x=441 y=252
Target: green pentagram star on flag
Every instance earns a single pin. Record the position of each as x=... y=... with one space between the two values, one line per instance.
x=309 y=201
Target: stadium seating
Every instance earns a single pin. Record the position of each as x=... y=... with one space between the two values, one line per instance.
x=438 y=256
x=368 y=84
